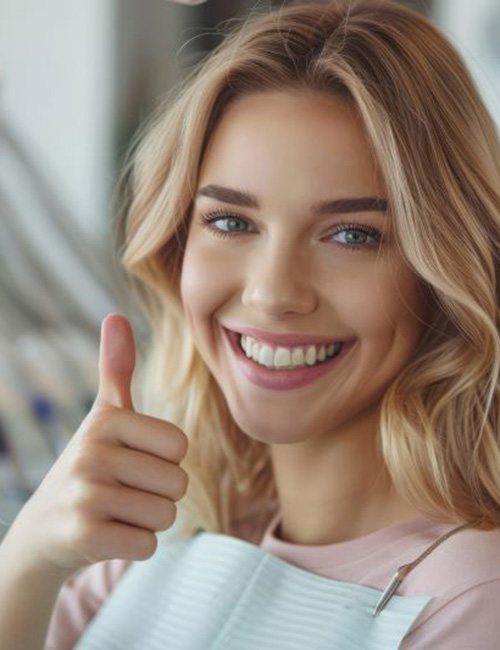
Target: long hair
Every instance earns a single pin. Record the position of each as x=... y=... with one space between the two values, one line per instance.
x=439 y=154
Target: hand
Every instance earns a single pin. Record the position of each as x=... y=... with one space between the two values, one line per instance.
x=116 y=482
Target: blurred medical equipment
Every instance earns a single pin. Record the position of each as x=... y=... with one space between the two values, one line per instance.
x=53 y=296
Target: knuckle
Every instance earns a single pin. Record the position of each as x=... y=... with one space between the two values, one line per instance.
x=168 y=515
x=89 y=543
x=176 y=441
x=183 y=443
x=98 y=424
x=182 y=482
x=83 y=463
x=82 y=495
x=146 y=546
x=80 y=531
x=97 y=461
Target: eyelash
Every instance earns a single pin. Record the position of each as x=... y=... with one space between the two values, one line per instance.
x=216 y=215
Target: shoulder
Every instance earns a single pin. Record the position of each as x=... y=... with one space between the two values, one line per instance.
x=462 y=576
x=467 y=559
x=467 y=621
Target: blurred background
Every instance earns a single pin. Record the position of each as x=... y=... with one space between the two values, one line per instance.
x=77 y=77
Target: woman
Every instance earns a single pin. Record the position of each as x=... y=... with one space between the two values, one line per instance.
x=314 y=223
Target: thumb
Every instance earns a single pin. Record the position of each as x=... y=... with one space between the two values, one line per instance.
x=116 y=363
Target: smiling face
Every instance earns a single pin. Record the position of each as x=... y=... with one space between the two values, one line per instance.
x=285 y=268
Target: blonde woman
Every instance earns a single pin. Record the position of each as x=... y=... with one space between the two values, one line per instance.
x=314 y=224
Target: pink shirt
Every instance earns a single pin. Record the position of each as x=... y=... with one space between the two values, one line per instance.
x=462 y=575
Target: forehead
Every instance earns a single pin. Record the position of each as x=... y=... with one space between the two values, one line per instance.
x=269 y=136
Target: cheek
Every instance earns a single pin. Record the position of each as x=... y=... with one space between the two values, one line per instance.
x=204 y=280
x=401 y=305
x=362 y=301
x=380 y=302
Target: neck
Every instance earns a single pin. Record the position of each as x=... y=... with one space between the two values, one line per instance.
x=335 y=488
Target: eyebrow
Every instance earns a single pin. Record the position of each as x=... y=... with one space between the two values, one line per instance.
x=331 y=206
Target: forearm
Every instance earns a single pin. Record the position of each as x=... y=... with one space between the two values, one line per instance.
x=27 y=597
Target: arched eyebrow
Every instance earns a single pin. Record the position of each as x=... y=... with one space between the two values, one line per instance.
x=331 y=206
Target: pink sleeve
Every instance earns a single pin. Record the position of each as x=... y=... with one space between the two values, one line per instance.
x=79 y=600
x=469 y=621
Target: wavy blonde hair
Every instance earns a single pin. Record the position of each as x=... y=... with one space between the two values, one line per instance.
x=439 y=155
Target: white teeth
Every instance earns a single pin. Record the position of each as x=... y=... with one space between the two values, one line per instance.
x=282 y=357
x=266 y=356
x=311 y=355
x=298 y=357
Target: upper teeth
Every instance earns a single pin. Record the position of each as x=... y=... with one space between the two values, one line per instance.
x=282 y=357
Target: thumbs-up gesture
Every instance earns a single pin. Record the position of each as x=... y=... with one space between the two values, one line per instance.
x=116 y=482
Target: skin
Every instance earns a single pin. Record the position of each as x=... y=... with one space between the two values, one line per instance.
x=288 y=273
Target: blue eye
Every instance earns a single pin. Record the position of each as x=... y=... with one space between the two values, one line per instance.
x=354 y=241
x=220 y=215
x=235 y=227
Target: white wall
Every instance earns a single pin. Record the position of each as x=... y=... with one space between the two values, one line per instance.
x=474 y=28
x=58 y=81
x=56 y=67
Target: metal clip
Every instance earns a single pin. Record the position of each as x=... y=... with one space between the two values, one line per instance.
x=387 y=594
x=403 y=570
x=391 y=588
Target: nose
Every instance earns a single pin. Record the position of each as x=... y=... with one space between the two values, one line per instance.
x=279 y=284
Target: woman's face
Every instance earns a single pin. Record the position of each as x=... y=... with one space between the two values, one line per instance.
x=278 y=265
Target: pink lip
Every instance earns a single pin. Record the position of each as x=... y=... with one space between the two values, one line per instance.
x=287 y=339
x=282 y=379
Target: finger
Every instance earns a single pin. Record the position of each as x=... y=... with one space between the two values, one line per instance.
x=147 y=473
x=116 y=363
x=148 y=434
x=136 y=508
x=118 y=540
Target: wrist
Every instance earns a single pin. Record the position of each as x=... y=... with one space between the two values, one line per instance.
x=23 y=564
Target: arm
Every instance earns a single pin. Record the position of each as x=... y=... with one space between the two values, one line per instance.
x=111 y=489
x=27 y=594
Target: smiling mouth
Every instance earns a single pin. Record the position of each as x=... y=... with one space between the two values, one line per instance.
x=304 y=356
x=288 y=357
x=283 y=378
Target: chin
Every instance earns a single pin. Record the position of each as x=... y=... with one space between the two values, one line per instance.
x=270 y=433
